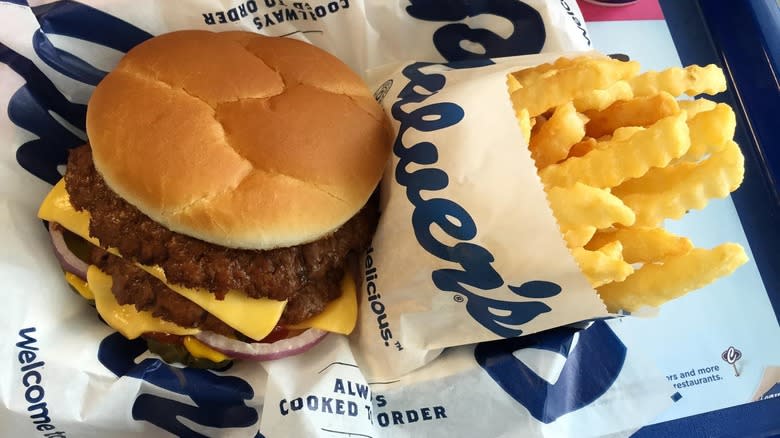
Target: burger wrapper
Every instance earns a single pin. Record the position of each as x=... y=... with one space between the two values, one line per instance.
x=68 y=374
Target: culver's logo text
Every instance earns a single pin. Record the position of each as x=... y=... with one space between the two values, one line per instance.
x=471 y=262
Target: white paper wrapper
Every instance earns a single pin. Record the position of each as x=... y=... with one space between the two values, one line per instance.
x=68 y=374
x=362 y=33
x=530 y=386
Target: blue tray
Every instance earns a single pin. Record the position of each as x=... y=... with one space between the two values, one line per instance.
x=743 y=37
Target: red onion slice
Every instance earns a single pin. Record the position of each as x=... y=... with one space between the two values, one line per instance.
x=261 y=351
x=68 y=260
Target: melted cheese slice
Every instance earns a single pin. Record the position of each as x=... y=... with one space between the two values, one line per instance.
x=80 y=285
x=126 y=319
x=200 y=350
x=341 y=314
x=131 y=322
x=255 y=318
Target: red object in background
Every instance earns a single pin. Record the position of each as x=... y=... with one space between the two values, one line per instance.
x=641 y=10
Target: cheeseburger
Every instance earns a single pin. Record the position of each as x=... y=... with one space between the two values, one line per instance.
x=225 y=193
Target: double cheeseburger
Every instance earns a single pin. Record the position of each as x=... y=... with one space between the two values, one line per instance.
x=225 y=194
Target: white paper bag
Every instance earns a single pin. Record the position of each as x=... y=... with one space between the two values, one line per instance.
x=467 y=248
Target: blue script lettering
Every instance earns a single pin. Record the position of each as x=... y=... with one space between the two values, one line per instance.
x=219 y=400
x=527 y=37
x=590 y=369
x=501 y=317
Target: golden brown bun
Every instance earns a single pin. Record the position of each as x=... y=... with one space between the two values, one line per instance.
x=237 y=139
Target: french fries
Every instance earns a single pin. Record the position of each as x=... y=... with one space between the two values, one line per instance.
x=555 y=87
x=581 y=205
x=601 y=99
x=639 y=111
x=693 y=107
x=618 y=155
x=642 y=244
x=691 y=80
x=715 y=177
x=655 y=283
x=603 y=267
x=556 y=136
x=613 y=162
x=710 y=131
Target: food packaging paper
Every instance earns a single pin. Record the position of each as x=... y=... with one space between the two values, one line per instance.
x=467 y=249
x=68 y=374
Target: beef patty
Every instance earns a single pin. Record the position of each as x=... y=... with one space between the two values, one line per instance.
x=132 y=285
x=307 y=275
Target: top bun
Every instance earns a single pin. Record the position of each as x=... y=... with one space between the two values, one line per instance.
x=237 y=139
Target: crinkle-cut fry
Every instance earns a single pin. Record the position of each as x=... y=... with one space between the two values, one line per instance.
x=525 y=124
x=600 y=99
x=582 y=205
x=710 y=130
x=579 y=236
x=552 y=141
x=655 y=180
x=537 y=123
x=606 y=167
x=625 y=132
x=524 y=120
x=655 y=284
x=556 y=87
x=693 y=107
x=715 y=177
x=512 y=84
x=620 y=134
x=641 y=244
x=600 y=268
x=612 y=249
x=639 y=111
x=691 y=80
x=529 y=75
x=581 y=148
